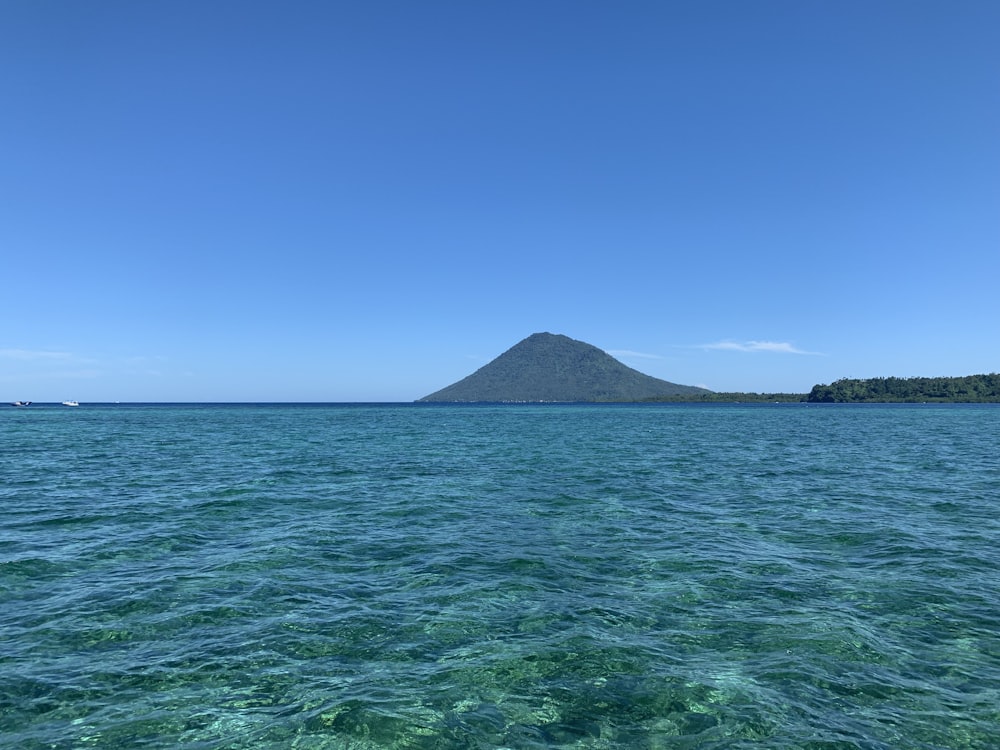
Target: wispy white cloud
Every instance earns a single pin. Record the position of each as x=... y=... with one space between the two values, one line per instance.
x=774 y=347
x=138 y=360
x=630 y=353
x=148 y=365
x=33 y=354
x=85 y=374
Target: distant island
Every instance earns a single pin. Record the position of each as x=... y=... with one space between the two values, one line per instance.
x=553 y=367
x=547 y=367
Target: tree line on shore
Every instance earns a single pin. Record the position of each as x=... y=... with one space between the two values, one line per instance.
x=968 y=389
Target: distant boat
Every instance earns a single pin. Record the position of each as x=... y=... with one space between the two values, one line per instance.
x=70 y=403
x=21 y=403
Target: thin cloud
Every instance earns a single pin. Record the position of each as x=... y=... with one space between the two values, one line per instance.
x=33 y=354
x=84 y=374
x=630 y=353
x=774 y=347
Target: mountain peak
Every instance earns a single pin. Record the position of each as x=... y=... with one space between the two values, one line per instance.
x=553 y=367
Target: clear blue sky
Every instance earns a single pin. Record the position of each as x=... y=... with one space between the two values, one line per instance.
x=332 y=201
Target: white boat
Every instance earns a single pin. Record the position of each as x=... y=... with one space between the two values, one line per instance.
x=21 y=403
x=70 y=403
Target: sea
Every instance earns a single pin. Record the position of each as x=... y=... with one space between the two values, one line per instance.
x=381 y=576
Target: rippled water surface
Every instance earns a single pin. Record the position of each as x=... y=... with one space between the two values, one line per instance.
x=500 y=576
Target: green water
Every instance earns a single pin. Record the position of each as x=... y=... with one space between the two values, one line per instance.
x=403 y=576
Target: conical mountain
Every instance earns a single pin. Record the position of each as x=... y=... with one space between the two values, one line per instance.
x=552 y=367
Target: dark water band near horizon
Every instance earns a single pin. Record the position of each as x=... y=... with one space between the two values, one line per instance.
x=422 y=576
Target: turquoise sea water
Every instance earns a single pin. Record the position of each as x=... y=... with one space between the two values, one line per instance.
x=386 y=576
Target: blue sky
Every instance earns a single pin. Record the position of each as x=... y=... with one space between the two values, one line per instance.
x=324 y=201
